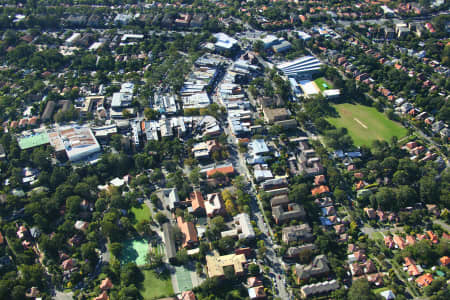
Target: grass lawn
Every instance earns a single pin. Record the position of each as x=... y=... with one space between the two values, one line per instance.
x=378 y=236
x=156 y=286
x=366 y=124
x=323 y=84
x=141 y=213
x=380 y=290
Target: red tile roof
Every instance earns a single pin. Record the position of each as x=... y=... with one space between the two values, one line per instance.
x=445 y=260
x=188 y=230
x=424 y=280
x=224 y=170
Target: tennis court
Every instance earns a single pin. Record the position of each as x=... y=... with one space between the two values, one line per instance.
x=184 y=280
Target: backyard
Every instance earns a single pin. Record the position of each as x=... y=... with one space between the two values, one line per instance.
x=366 y=124
x=156 y=286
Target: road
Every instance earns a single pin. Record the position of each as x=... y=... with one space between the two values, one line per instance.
x=442 y=224
x=273 y=262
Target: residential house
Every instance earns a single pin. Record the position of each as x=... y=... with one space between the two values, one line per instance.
x=388 y=242
x=320 y=190
x=370 y=212
x=424 y=280
x=398 y=240
x=197 y=202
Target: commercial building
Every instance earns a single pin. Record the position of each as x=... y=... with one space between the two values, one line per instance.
x=197 y=100
x=216 y=264
x=75 y=142
x=303 y=67
x=224 y=42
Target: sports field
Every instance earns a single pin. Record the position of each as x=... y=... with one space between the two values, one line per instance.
x=366 y=124
x=135 y=251
x=322 y=84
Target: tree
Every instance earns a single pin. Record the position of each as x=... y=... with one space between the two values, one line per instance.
x=253 y=269
x=154 y=259
x=360 y=290
x=160 y=218
x=116 y=249
x=182 y=257
x=151 y=114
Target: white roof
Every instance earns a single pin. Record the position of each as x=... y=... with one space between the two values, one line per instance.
x=309 y=88
x=224 y=41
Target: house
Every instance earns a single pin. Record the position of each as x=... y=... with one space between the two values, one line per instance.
x=68 y=264
x=22 y=232
x=170 y=199
x=188 y=295
x=297 y=233
x=319 y=179
x=388 y=242
x=256 y=292
x=214 y=205
x=432 y=236
x=409 y=261
x=102 y=296
x=444 y=261
x=169 y=241
x=388 y=295
x=189 y=232
x=106 y=284
x=197 y=202
x=370 y=212
x=319 y=288
x=32 y=293
x=81 y=225
x=424 y=280
x=318 y=267
x=228 y=170
x=413 y=270
x=317 y=191
x=291 y=211
x=215 y=264
x=399 y=242
x=382 y=217
x=433 y=209
x=410 y=240
x=254 y=281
